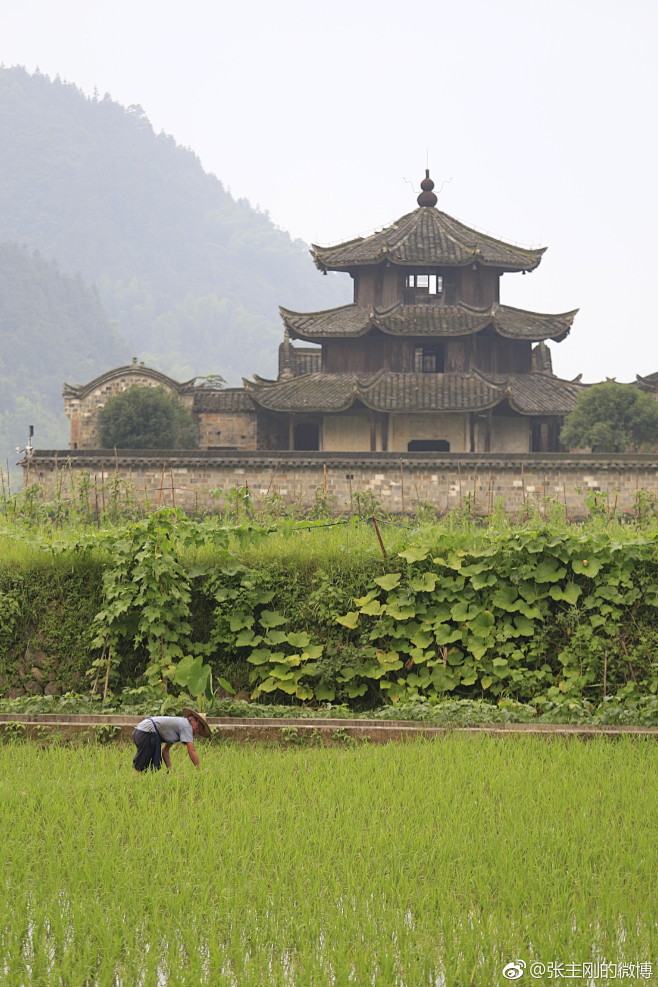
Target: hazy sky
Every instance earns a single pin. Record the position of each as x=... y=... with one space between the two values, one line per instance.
x=539 y=116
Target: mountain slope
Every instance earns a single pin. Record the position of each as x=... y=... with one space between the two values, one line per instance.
x=184 y=270
x=52 y=328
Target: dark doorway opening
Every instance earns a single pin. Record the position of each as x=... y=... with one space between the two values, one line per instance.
x=428 y=445
x=307 y=436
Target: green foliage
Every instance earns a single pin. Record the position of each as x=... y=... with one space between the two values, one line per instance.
x=612 y=417
x=146 y=418
x=539 y=614
x=105 y=733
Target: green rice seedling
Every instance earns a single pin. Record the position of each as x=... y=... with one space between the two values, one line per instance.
x=432 y=863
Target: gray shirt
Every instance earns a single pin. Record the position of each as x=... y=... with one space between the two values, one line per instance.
x=172 y=729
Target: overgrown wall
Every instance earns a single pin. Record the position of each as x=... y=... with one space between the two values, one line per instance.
x=397 y=483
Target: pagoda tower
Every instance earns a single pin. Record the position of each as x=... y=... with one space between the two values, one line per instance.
x=425 y=358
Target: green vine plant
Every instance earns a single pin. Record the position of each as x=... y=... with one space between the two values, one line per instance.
x=147 y=593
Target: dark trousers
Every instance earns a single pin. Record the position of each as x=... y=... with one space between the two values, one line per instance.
x=148 y=751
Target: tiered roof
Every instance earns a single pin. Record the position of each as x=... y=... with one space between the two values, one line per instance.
x=423 y=239
x=429 y=238
x=528 y=394
x=426 y=320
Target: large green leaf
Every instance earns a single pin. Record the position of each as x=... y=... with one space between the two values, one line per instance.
x=524 y=626
x=465 y=611
x=350 y=619
x=549 y=571
x=325 y=692
x=313 y=652
x=506 y=598
x=194 y=676
x=388 y=582
x=482 y=625
x=405 y=611
x=414 y=554
x=299 y=639
x=247 y=638
x=354 y=689
x=275 y=637
x=425 y=583
x=586 y=566
x=271 y=618
x=569 y=592
x=260 y=656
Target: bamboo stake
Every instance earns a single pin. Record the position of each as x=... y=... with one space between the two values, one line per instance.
x=379 y=535
x=164 y=466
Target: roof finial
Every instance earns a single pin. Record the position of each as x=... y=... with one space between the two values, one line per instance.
x=427 y=196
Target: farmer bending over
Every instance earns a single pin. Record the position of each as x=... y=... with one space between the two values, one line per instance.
x=155 y=735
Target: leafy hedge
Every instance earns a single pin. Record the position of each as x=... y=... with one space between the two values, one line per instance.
x=540 y=614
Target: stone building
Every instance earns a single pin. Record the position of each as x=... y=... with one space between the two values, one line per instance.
x=425 y=359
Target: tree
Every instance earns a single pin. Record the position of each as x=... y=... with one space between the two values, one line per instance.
x=612 y=417
x=146 y=418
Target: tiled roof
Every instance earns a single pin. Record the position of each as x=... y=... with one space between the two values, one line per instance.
x=427 y=320
x=227 y=399
x=538 y=393
x=427 y=237
x=528 y=394
x=380 y=392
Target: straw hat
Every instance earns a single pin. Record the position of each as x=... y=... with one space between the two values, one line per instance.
x=205 y=726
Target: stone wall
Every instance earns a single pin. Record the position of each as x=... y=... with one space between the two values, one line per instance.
x=82 y=404
x=480 y=482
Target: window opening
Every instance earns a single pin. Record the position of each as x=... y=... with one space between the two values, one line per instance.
x=425 y=284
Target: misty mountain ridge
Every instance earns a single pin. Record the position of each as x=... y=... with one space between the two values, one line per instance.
x=182 y=270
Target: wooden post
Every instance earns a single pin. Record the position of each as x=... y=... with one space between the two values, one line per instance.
x=401 y=487
x=379 y=535
x=164 y=466
x=324 y=479
x=98 y=519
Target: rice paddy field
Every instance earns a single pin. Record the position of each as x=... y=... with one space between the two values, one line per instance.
x=425 y=863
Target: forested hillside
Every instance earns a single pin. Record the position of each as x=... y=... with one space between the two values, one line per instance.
x=182 y=269
x=52 y=328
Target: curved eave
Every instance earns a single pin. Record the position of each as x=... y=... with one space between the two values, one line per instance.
x=352 y=322
x=538 y=394
x=297 y=322
x=395 y=393
x=648 y=383
x=556 y=327
x=427 y=238
x=132 y=370
x=474 y=257
x=272 y=395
